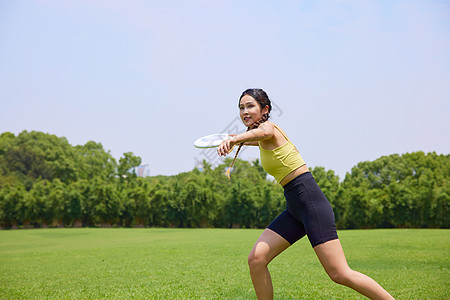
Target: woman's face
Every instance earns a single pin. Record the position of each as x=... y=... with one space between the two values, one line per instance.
x=250 y=111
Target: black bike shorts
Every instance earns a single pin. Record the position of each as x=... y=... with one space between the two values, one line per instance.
x=307 y=212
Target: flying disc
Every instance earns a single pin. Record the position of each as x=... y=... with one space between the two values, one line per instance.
x=211 y=141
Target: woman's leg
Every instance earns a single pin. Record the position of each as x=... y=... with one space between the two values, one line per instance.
x=266 y=248
x=333 y=260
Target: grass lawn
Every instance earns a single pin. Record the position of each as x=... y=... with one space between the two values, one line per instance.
x=157 y=263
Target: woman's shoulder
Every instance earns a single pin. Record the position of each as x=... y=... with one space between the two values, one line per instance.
x=278 y=137
x=270 y=124
x=280 y=130
x=274 y=125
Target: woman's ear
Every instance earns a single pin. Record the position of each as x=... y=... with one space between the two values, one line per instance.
x=265 y=110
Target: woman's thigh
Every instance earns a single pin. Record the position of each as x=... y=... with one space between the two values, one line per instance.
x=332 y=257
x=268 y=246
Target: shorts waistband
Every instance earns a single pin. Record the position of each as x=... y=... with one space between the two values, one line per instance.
x=299 y=179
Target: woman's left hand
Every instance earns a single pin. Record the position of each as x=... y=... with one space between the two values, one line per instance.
x=226 y=146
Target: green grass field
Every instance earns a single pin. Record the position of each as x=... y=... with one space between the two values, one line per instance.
x=210 y=264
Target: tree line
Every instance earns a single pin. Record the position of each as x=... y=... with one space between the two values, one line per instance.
x=46 y=182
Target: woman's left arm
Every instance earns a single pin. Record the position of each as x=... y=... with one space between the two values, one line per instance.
x=248 y=143
x=263 y=132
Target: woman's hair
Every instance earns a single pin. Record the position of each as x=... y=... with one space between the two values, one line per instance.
x=263 y=100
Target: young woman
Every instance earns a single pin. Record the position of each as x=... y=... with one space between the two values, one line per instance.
x=308 y=210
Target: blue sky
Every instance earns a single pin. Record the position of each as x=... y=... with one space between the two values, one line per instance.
x=352 y=80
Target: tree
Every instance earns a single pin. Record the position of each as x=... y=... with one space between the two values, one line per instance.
x=8 y=206
x=94 y=161
x=127 y=163
x=44 y=180
x=107 y=204
x=33 y=155
x=137 y=203
x=410 y=190
x=17 y=207
x=72 y=201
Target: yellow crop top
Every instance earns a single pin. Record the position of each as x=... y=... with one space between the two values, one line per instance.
x=282 y=160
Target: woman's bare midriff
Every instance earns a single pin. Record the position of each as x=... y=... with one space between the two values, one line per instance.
x=294 y=174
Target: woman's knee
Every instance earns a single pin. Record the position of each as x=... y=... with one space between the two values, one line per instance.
x=268 y=246
x=343 y=276
x=257 y=260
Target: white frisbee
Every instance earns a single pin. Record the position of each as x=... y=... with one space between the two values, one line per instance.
x=211 y=141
